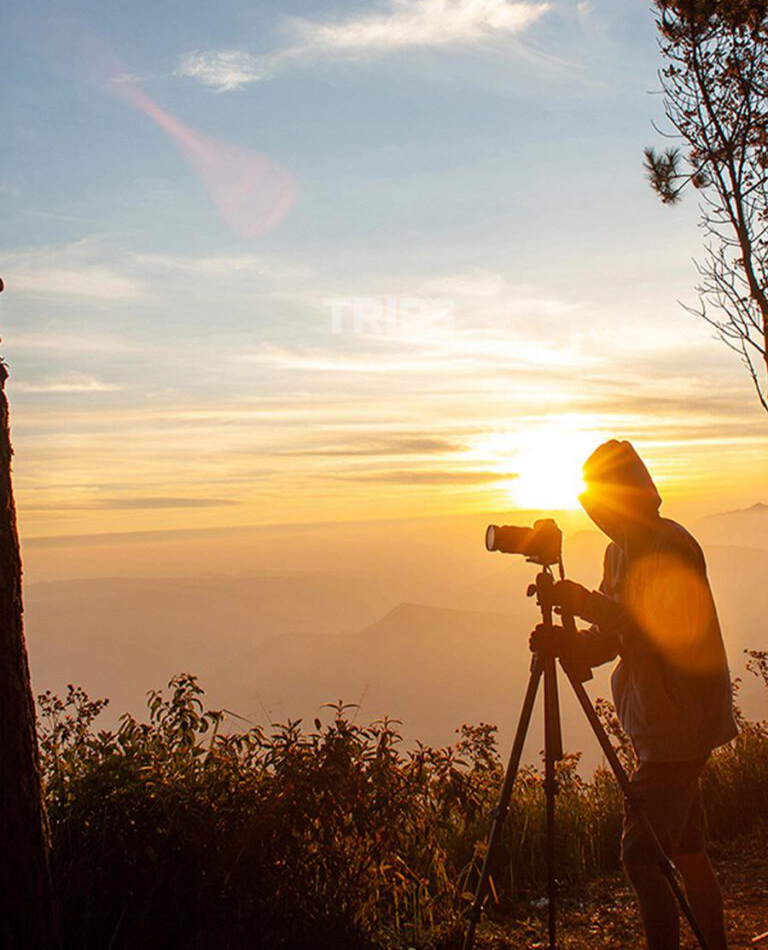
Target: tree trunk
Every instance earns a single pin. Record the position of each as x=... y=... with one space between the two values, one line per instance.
x=27 y=917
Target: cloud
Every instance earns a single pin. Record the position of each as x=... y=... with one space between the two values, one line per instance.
x=81 y=282
x=404 y=24
x=411 y=476
x=61 y=340
x=68 y=270
x=410 y=23
x=329 y=361
x=140 y=502
x=429 y=353
x=71 y=382
x=229 y=267
x=416 y=445
x=225 y=70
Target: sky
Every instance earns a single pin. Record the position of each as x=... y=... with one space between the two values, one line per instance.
x=277 y=263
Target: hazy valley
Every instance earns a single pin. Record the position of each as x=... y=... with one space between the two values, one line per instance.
x=420 y=625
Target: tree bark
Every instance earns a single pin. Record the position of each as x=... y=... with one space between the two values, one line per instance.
x=27 y=916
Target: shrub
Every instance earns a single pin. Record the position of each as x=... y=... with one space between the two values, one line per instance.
x=177 y=832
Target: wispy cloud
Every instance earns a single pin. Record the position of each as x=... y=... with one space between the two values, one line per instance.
x=137 y=502
x=71 y=382
x=70 y=270
x=405 y=445
x=81 y=282
x=403 y=24
x=231 y=266
x=330 y=361
x=226 y=70
x=409 y=23
x=430 y=353
x=416 y=476
x=60 y=340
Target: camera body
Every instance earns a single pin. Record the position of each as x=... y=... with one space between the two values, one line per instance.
x=542 y=544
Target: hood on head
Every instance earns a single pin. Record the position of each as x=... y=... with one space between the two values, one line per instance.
x=619 y=489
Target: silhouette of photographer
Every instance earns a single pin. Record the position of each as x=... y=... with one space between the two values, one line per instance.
x=671 y=687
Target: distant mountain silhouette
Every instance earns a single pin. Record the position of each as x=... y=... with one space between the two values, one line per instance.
x=746 y=527
x=417 y=662
x=119 y=637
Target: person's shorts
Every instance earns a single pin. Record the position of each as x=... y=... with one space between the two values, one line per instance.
x=670 y=795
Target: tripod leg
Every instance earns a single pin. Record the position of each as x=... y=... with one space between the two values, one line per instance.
x=553 y=752
x=502 y=807
x=665 y=864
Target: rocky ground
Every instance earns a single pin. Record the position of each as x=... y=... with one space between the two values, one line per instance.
x=605 y=918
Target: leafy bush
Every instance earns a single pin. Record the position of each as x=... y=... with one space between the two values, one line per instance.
x=735 y=782
x=177 y=832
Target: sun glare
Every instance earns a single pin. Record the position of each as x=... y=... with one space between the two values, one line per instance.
x=547 y=460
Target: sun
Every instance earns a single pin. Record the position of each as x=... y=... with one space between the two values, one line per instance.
x=547 y=460
x=549 y=470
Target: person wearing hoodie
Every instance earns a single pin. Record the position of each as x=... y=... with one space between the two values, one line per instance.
x=671 y=687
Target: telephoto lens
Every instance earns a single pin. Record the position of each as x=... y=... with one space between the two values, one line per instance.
x=542 y=543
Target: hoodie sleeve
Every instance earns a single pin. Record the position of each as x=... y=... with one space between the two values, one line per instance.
x=602 y=642
x=598 y=647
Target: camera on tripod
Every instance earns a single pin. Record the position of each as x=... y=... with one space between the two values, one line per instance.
x=542 y=544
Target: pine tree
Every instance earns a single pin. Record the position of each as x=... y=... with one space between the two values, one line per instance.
x=27 y=916
x=715 y=85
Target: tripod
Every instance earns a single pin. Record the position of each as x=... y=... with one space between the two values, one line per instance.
x=543 y=664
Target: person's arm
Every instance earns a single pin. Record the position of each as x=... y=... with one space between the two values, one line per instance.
x=611 y=623
x=598 y=647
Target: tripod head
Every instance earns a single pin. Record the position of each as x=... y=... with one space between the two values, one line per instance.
x=561 y=642
x=542 y=544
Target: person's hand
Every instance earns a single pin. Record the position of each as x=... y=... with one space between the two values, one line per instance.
x=550 y=639
x=569 y=595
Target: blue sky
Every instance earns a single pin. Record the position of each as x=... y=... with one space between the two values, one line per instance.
x=477 y=158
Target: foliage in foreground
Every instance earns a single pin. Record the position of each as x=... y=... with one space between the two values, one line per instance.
x=174 y=832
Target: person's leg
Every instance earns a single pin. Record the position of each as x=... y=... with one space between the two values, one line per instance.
x=665 y=791
x=704 y=896
x=701 y=885
x=658 y=907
